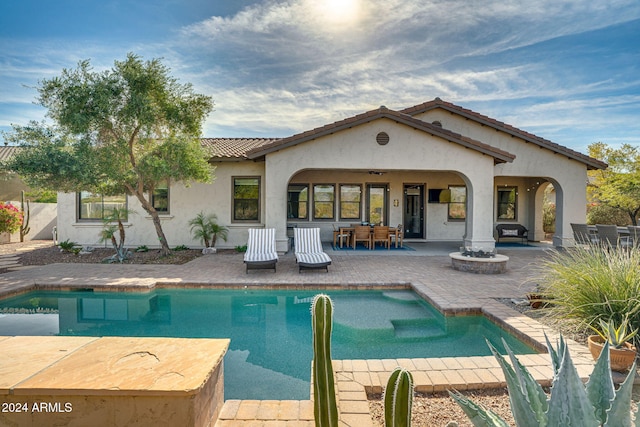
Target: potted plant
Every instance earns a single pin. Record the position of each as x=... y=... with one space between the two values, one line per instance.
x=621 y=352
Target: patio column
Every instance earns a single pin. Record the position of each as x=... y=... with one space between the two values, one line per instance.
x=275 y=205
x=480 y=195
x=571 y=206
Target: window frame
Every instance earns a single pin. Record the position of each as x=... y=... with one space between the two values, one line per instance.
x=153 y=196
x=332 y=202
x=451 y=202
x=79 y=198
x=507 y=189
x=298 y=218
x=234 y=200
x=341 y=201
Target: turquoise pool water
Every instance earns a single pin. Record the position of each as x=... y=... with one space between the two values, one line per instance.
x=270 y=352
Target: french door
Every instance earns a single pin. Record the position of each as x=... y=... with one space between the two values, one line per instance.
x=413 y=211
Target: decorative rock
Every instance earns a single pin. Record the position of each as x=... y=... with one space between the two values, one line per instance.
x=206 y=251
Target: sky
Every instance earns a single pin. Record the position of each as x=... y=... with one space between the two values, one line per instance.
x=565 y=70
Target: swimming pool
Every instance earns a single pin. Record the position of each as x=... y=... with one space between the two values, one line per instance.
x=270 y=352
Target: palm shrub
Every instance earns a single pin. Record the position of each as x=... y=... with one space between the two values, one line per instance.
x=206 y=229
x=570 y=403
x=589 y=284
x=111 y=230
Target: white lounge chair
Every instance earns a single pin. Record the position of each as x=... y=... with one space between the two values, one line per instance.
x=308 y=249
x=261 y=249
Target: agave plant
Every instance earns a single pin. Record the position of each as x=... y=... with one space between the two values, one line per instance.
x=616 y=337
x=571 y=403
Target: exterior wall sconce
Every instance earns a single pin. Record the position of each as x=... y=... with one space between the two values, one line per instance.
x=396 y=203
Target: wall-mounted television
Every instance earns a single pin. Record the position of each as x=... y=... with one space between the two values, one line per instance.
x=439 y=195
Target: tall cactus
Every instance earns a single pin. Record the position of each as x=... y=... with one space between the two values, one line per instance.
x=398 y=399
x=325 y=408
x=24 y=228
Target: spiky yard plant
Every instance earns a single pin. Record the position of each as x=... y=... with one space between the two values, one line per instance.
x=325 y=408
x=571 y=404
x=586 y=284
x=398 y=399
x=615 y=336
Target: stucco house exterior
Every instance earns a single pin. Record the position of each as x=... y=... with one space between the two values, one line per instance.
x=444 y=172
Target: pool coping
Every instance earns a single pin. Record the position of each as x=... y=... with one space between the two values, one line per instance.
x=355 y=379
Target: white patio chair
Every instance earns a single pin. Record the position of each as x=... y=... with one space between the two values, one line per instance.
x=308 y=249
x=261 y=249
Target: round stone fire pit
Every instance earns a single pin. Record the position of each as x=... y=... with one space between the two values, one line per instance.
x=494 y=265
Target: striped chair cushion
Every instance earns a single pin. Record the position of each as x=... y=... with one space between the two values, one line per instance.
x=261 y=246
x=307 y=240
x=317 y=259
x=308 y=248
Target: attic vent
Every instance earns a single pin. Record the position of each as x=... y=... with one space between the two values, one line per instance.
x=437 y=123
x=382 y=138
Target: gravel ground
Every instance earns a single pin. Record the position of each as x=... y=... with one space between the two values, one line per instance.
x=429 y=410
x=438 y=409
x=51 y=254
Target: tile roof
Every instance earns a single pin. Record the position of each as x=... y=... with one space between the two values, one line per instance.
x=501 y=126
x=233 y=148
x=7 y=151
x=500 y=156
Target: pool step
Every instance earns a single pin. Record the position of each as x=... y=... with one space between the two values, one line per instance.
x=417 y=328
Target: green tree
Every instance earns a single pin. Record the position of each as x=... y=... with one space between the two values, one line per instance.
x=123 y=130
x=618 y=186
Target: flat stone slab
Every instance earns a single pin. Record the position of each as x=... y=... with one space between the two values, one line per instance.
x=495 y=265
x=111 y=381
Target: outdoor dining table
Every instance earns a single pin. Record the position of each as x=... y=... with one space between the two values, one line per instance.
x=351 y=229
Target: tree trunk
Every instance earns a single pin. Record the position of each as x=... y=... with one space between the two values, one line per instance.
x=164 y=245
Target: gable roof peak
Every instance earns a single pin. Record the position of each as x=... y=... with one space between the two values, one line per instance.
x=590 y=162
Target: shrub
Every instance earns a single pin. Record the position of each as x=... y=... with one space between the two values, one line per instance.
x=68 y=246
x=181 y=248
x=10 y=218
x=241 y=248
x=593 y=283
x=207 y=229
x=603 y=214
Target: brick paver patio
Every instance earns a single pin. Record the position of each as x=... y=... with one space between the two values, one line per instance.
x=426 y=270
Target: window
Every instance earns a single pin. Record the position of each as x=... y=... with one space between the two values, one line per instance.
x=160 y=198
x=246 y=199
x=96 y=207
x=350 y=198
x=507 y=203
x=323 y=201
x=298 y=201
x=457 y=208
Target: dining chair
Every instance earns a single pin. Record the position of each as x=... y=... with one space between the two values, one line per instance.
x=634 y=235
x=380 y=234
x=608 y=235
x=582 y=235
x=341 y=235
x=361 y=233
x=398 y=236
